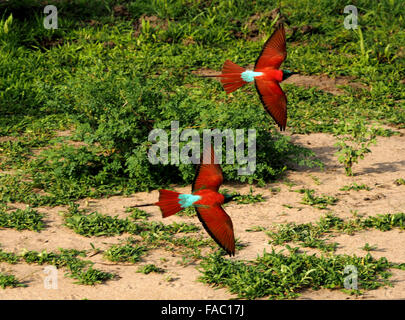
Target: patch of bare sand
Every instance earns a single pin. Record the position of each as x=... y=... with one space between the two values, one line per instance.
x=324 y=83
x=378 y=170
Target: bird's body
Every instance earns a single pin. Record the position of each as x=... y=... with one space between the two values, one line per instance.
x=209 y=198
x=207 y=201
x=266 y=76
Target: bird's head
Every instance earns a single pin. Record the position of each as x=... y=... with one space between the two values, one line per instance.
x=288 y=73
x=229 y=197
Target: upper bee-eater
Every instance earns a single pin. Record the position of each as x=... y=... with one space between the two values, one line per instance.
x=266 y=76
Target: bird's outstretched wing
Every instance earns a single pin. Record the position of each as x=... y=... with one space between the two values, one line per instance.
x=274 y=101
x=274 y=51
x=208 y=174
x=218 y=225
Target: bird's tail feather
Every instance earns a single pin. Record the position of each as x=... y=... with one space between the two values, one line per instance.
x=169 y=202
x=209 y=75
x=142 y=205
x=231 y=76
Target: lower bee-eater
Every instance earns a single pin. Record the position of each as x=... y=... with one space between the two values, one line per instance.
x=207 y=201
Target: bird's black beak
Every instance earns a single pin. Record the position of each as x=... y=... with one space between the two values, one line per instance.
x=287 y=74
x=229 y=197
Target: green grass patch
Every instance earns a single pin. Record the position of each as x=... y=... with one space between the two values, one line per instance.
x=80 y=270
x=9 y=280
x=9 y=257
x=315 y=235
x=320 y=202
x=249 y=198
x=137 y=214
x=148 y=268
x=22 y=219
x=279 y=276
x=130 y=251
x=94 y=223
x=399 y=181
x=356 y=187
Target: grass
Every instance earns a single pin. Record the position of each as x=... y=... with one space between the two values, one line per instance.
x=148 y=268
x=130 y=251
x=249 y=198
x=367 y=247
x=279 y=276
x=354 y=142
x=22 y=219
x=93 y=224
x=400 y=181
x=97 y=224
x=356 y=187
x=80 y=270
x=9 y=280
x=315 y=235
x=137 y=214
x=320 y=202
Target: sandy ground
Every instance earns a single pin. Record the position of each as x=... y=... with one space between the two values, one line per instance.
x=378 y=170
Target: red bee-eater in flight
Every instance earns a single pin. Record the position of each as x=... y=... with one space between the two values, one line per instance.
x=266 y=75
x=207 y=201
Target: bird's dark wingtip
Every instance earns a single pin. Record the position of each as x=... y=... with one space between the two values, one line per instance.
x=231 y=253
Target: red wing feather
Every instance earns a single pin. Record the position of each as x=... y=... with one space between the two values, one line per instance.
x=219 y=226
x=208 y=175
x=274 y=101
x=274 y=51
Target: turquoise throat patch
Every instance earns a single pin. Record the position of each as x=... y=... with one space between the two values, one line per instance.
x=187 y=200
x=249 y=75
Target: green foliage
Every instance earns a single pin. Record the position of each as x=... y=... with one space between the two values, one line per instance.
x=9 y=257
x=314 y=235
x=187 y=212
x=78 y=269
x=311 y=199
x=278 y=276
x=356 y=187
x=93 y=224
x=66 y=257
x=154 y=234
x=137 y=213
x=249 y=198
x=130 y=251
x=90 y=276
x=307 y=235
x=22 y=219
x=400 y=181
x=9 y=280
x=368 y=247
x=355 y=140
x=148 y=268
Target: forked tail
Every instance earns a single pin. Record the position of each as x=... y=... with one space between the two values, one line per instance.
x=231 y=76
x=169 y=202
